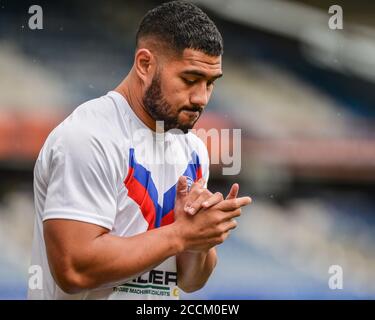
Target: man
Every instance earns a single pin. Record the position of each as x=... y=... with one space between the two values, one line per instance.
x=112 y=221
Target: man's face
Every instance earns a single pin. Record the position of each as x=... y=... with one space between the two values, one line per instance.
x=181 y=88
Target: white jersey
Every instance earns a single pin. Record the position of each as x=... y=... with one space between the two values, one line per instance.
x=103 y=165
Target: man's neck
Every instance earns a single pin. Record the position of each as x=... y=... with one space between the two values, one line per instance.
x=132 y=92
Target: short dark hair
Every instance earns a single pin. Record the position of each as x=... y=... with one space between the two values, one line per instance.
x=181 y=25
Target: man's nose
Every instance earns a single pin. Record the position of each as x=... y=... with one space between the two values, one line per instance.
x=200 y=97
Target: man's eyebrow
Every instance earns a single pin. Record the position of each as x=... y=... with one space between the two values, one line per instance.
x=201 y=74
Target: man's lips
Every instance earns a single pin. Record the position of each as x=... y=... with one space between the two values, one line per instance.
x=199 y=110
x=192 y=114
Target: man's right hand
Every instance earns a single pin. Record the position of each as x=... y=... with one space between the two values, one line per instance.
x=209 y=226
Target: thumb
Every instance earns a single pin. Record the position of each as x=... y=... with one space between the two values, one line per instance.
x=233 y=193
x=182 y=187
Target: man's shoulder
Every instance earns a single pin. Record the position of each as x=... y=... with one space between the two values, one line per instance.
x=94 y=118
x=100 y=112
x=93 y=124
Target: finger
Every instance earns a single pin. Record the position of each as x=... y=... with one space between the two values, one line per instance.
x=233 y=191
x=199 y=184
x=228 y=215
x=220 y=239
x=232 y=204
x=215 y=199
x=182 y=187
x=197 y=204
x=228 y=225
x=195 y=191
x=205 y=200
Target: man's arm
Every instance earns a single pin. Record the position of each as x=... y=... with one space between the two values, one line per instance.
x=85 y=256
x=194 y=268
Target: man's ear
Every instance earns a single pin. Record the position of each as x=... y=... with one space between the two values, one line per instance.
x=145 y=63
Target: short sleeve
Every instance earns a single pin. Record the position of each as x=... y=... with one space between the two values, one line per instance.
x=81 y=181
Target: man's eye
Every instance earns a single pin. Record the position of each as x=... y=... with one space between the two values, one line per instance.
x=188 y=81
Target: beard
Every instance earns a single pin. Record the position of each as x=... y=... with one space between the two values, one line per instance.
x=160 y=110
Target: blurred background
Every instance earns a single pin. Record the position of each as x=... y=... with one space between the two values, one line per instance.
x=303 y=95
